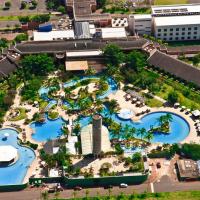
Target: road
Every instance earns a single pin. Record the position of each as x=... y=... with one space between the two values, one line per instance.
x=165 y=185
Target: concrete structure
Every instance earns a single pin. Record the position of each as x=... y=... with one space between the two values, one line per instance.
x=82 y=30
x=53 y=35
x=178 y=22
x=76 y=65
x=108 y=33
x=7 y=154
x=95 y=137
x=140 y=24
x=188 y=169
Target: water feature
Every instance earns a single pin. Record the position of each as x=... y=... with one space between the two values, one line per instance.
x=15 y=173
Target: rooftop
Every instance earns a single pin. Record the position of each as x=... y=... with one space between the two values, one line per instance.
x=7 y=153
x=177 y=20
x=140 y=16
x=53 y=35
x=176 y=9
x=76 y=65
x=174 y=66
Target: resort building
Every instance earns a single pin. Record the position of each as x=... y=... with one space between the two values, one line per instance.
x=169 y=23
x=140 y=24
x=95 y=137
x=188 y=169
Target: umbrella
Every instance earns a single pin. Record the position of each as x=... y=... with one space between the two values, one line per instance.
x=43 y=163
x=188 y=110
x=134 y=99
x=6 y=134
x=197 y=121
x=138 y=102
x=177 y=104
x=198 y=125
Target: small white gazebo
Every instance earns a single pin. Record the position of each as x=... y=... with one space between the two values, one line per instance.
x=7 y=153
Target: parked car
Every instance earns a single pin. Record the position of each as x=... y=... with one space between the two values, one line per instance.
x=158 y=165
x=123 y=185
x=78 y=188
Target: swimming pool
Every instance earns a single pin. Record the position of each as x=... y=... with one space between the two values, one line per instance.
x=43 y=91
x=15 y=173
x=179 y=127
x=50 y=129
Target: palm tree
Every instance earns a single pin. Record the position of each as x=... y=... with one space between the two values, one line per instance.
x=161 y=120
x=149 y=136
x=113 y=106
x=168 y=117
x=141 y=132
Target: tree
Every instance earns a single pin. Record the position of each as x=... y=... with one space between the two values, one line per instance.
x=141 y=132
x=34 y=4
x=7 y=4
x=113 y=106
x=136 y=60
x=3 y=43
x=23 y=5
x=24 y=19
x=21 y=37
x=149 y=136
x=61 y=9
x=172 y=97
x=113 y=55
x=196 y=59
x=136 y=157
x=39 y=65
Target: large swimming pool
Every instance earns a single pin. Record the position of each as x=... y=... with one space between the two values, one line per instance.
x=179 y=127
x=14 y=174
x=50 y=129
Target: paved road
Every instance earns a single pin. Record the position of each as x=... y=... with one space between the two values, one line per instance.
x=165 y=185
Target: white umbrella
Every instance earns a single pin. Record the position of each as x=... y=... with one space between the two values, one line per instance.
x=198 y=125
x=177 y=104
x=138 y=102
x=43 y=163
x=197 y=121
x=183 y=107
x=188 y=110
x=6 y=134
x=134 y=99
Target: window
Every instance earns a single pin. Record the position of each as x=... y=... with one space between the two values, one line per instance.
x=176 y=38
x=183 y=33
x=165 y=30
x=188 y=37
x=171 y=33
x=189 y=33
x=159 y=34
x=165 y=34
x=170 y=38
x=171 y=29
x=159 y=30
x=189 y=29
x=195 y=28
x=182 y=38
x=164 y=38
x=177 y=33
x=195 y=33
x=177 y=29
x=195 y=37
x=183 y=29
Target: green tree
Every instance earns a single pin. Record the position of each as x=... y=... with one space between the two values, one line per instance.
x=21 y=37
x=149 y=136
x=136 y=157
x=113 y=106
x=113 y=55
x=40 y=64
x=61 y=9
x=172 y=97
x=24 y=19
x=141 y=132
x=136 y=60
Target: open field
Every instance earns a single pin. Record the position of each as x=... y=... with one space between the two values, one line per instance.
x=169 y=2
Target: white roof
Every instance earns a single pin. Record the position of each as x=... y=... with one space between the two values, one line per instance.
x=196 y=113
x=7 y=153
x=53 y=173
x=177 y=20
x=70 y=145
x=113 y=32
x=189 y=7
x=83 y=53
x=87 y=140
x=52 y=35
x=140 y=16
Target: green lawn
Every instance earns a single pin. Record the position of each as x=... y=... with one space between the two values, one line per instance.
x=21 y=116
x=152 y=102
x=169 y=2
x=190 y=195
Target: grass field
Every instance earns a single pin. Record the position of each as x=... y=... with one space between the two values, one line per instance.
x=191 y=195
x=168 y=2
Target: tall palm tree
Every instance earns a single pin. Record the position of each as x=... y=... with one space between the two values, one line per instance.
x=149 y=136
x=141 y=132
x=168 y=117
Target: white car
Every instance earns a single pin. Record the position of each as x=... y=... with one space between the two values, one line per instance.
x=123 y=185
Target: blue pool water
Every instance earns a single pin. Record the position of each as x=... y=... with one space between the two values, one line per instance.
x=50 y=129
x=179 y=128
x=14 y=174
